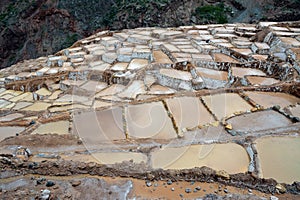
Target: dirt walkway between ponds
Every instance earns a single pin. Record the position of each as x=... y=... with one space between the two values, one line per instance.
x=91 y=187
x=11 y=168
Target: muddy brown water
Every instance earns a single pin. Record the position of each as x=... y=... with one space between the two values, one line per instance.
x=213 y=74
x=226 y=104
x=279 y=158
x=230 y=157
x=295 y=111
x=99 y=126
x=258 y=121
x=9 y=131
x=258 y=80
x=189 y=112
x=241 y=72
x=149 y=120
x=269 y=99
x=60 y=127
x=37 y=106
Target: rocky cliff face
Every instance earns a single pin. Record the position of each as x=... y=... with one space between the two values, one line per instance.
x=33 y=28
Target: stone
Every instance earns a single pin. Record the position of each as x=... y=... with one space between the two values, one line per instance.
x=45 y=194
x=198 y=188
x=223 y=174
x=148 y=183
x=228 y=127
x=188 y=190
x=75 y=183
x=109 y=57
x=280 y=188
x=50 y=183
x=273 y=198
x=169 y=182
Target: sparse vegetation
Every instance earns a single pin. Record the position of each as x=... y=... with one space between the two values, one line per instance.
x=212 y=14
x=71 y=39
x=133 y=9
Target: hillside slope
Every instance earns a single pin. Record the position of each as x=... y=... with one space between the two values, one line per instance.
x=33 y=28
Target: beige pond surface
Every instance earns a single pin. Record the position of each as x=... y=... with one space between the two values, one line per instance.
x=225 y=104
x=60 y=127
x=159 y=89
x=9 y=131
x=99 y=126
x=11 y=117
x=161 y=57
x=111 y=90
x=189 y=112
x=258 y=80
x=279 y=158
x=257 y=121
x=25 y=96
x=37 y=106
x=230 y=157
x=177 y=74
x=136 y=64
x=220 y=57
x=21 y=105
x=213 y=74
x=67 y=107
x=269 y=99
x=295 y=111
x=118 y=157
x=149 y=120
x=241 y=72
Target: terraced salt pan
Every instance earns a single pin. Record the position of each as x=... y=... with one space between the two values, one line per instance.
x=78 y=157
x=21 y=105
x=160 y=90
x=136 y=64
x=295 y=111
x=241 y=72
x=9 y=131
x=11 y=117
x=219 y=57
x=43 y=92
x=177 y=74
x=70 y=98
x=226 y=104
x=67 y=107
x=258 y=121
x=7 y=96
x=137 y=87
x=99 y=126
x=100 y=104
x=161 y=57
x=4 y=103
x=229 y=157
x=213 y=74
x=278 y=157
x=269 y=99
x=11 y=92
x=118 y=157
x=55 y=95
x=111 y=90
x=94 y=86
x=149 y=120
x=37 y=106
x=60 y=127
x=25 y=96
x=189 y=112
x=257 y=80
